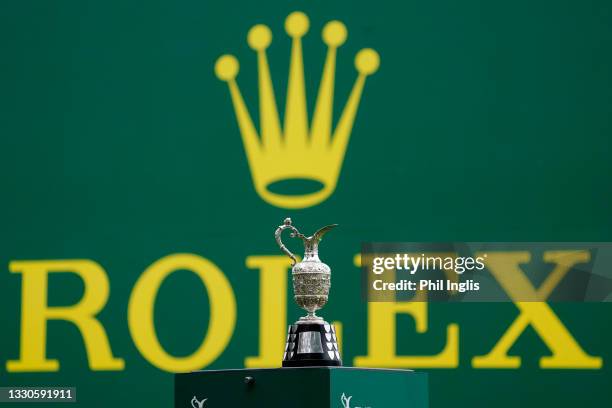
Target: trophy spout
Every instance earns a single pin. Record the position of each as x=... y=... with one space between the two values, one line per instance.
x=311 y=244
x=318 y=236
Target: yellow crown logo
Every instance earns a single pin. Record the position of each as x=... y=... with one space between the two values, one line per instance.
x=296 y=151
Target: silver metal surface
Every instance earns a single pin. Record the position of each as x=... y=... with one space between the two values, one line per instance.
x=311 y=277
x=309 y=342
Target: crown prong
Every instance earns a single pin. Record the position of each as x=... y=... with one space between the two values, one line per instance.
x=259 y=39
x=367 y=62
x=226 y=69
x=296 y=112
x=297 y=24
x=334 y=35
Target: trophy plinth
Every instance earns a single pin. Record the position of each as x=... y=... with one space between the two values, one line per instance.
x=311 y=341
x=311 y=344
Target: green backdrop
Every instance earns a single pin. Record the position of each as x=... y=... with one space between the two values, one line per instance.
x=487 y=121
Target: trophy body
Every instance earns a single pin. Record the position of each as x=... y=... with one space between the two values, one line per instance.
x=311 y=341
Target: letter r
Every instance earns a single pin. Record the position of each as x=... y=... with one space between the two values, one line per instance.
x=35 y=312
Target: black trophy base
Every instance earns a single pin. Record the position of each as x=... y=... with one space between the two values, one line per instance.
x=312 y=344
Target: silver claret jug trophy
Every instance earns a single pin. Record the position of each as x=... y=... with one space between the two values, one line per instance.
x=311 y=341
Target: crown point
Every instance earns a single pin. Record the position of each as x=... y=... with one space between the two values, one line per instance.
x=259 y=37
x=297 y=24
x=226 y=67
x=334 y=33
x=367 y=61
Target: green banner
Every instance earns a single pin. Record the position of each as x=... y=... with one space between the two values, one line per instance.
x=150 y=149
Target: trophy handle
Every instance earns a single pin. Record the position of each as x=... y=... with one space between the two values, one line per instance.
x=294 y=233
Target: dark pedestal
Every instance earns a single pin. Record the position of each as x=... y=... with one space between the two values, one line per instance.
x=306 y=387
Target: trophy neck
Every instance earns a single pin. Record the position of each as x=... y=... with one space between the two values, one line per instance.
x=311 y=257
x=311 y=249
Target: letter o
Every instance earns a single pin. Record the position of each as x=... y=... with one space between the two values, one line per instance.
x=222 y=312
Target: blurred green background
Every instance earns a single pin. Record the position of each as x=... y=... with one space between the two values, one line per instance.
x=487 y=121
